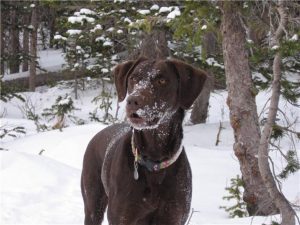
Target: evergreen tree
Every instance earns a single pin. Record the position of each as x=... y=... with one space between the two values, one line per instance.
x=235 y=193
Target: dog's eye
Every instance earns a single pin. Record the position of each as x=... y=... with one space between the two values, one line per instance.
x=162 y=81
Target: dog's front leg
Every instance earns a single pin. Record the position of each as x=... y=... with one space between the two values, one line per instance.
x=172 y=214
x=123 y=213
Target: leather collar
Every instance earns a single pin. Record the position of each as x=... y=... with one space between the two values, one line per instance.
x=150 y=165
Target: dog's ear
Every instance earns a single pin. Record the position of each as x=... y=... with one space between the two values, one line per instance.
x=191 y=82
x=121 y=73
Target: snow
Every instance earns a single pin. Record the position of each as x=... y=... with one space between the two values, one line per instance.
x=165 y=9
x=108 y=43
x=104 y=70
x=213 y=62
x=41 y=192
x=294 y=38
x=80 y=19
x=275 y=47
x=97 y=27
x=101 y=38
x=87 y=12
x=59 y=37
x=64 y=101
x=154 y=7
x=111 y=29
x=204 y=27
x=51 y=60
x=73 y=32
x=40 y=172
x=127 y=20
x=91 y=67
x=144 y=11
x=174 y=13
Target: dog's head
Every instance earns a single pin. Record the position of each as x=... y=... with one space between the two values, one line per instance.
x=155 y=89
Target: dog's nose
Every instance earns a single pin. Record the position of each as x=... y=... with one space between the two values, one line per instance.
x=133 y=101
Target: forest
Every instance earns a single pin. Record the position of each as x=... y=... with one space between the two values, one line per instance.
x=242 y=134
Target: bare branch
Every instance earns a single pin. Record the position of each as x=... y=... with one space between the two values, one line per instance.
x=278 y=149
x=274 y=174
x=264 y=107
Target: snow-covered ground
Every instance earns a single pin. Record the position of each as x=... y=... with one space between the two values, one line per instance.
x=40 y=172
x=50 y=60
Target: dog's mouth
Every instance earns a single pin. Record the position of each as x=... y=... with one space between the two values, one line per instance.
x=139 y=121
x=136 y=119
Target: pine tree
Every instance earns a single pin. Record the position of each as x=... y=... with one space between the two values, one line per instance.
x=61 y=109
x=235 y=191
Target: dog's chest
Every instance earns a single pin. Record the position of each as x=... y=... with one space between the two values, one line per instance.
x=151 y=189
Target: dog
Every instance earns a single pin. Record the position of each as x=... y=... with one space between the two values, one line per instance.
x=139 y=169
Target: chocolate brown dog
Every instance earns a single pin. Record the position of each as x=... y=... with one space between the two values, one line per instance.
x=140 y=169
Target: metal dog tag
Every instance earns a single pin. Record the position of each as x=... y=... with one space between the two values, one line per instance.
x=136 y=173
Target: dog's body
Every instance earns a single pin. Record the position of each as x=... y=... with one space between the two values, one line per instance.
x=141 y=170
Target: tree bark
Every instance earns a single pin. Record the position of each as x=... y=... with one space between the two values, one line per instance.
x=51 y=21
x=286 y=211
x=14 y=61
x=154 y=46
x=200 y=107
x=2 y=44
x=243 y=111
x=33 y=49
x=25 y=44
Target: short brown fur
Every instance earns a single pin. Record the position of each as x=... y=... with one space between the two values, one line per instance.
x=158 y=92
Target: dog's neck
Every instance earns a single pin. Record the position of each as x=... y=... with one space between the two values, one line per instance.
x=162 y=142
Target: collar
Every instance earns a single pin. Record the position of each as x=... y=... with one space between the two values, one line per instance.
x=149 y=164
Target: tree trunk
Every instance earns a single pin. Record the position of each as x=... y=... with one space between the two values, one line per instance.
x=286 y=211
x=14 y=61
x=153 y=46
x=243 y=111
x=51 y=21
x=200 y=107
x=33 y=49
x=25 y=44
x=2 y=44
x=210 y=44
x=43 y=35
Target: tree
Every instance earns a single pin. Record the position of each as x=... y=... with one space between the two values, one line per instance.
x=196 y=31
x=153 y=45
x=199 y=111
x=200 y=108
x=33 y=47
x=287 y=212
x=25 y=53
x=2 y=33
x=14 y=61
x=243 y=111
x=15 y=20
